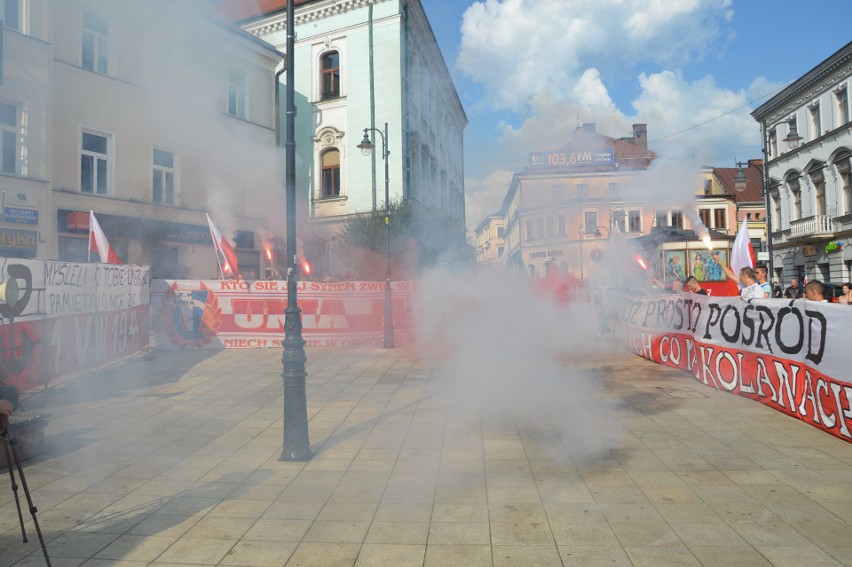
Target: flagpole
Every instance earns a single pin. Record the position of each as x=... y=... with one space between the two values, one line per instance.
x=89 y=243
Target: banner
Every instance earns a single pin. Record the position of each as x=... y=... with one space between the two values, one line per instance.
x=792 y=355
x=200 y=314
x=67 y=317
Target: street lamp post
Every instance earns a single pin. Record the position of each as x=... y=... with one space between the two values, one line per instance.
x=740 y=182
x=366 y=147
x=296 y=447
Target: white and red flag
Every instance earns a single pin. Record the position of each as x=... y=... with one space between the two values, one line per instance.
x=224 y=251
x=742 y=253
x=98 y=243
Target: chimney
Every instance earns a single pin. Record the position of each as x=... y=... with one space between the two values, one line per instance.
x=640 y=136
x=588 y=128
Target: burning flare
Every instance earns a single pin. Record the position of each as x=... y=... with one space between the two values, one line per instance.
x=706 y=240
x=641 y=262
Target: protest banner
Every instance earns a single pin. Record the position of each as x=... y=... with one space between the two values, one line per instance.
x=197 y=314
x=67 y=317
x=781 y=353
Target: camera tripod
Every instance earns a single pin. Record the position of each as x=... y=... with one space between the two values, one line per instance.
x=12 y=457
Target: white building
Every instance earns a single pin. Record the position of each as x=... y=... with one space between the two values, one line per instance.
x=149 y=113
x=808 y=144
x=361 y=64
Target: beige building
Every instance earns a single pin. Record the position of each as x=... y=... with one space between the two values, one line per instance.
x=565 y=206
x=150 y=114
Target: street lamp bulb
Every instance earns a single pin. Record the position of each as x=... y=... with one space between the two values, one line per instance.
x=366 y=145
x=740 y=181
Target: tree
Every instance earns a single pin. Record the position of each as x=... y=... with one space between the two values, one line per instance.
x=420 y=237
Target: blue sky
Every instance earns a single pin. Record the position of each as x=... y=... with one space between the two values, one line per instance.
x=671 y=64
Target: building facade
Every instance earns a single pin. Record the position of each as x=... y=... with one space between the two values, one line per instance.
x=147 y=113
x=364 y=64
x=565 y=208
x=807 y=136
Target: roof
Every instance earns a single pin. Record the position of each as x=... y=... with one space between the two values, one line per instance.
x=754 y=182
x=241 y=11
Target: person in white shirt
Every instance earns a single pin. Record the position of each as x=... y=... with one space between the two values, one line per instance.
x=747 y=280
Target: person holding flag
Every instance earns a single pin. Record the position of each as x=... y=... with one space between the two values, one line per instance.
x=225 y=254
x=99 y=244
x=742 y=266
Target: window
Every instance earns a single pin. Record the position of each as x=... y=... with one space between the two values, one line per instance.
x=12 y=14
x=819 y=193
x=661 y=218
x=94 y=164
x=720 y=217
x=331 y=173
x=773 y=143
x=795 y=201
x=500 y=250
x=846 y=180
x=163 y=185
x=530 y=230
x=704 y=215
x=8 y=138
x=634 y=221
x=560 y=225
x=237 y=93
x=330 y=75
x=816 y=129
x=582 y=191
x=590 y=222
x=500 y=232
x=677 y=219
x=842 y=96
x=95 y=42
x=615 y=191
x=548 y=227
x=776 y=207
x=708 y=187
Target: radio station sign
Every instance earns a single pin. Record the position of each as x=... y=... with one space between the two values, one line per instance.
x=572 y=159
x=19 y=215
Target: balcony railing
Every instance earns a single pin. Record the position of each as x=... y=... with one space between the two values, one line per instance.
x=818 y=225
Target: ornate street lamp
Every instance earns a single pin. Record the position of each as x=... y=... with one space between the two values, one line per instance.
x=366 y=147
x=296 y=447
x=740 y=184
x=793 y=137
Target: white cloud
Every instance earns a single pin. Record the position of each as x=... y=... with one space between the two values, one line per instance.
x=485 y=196
x=515 y=48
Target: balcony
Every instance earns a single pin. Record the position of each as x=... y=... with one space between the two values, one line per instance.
x=820 y=226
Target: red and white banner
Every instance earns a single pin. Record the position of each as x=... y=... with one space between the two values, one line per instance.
x=790 y=355
x=69 y=317
x=201 y=314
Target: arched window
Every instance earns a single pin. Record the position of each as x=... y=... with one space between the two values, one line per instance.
x=330 y=75
x=331 y=173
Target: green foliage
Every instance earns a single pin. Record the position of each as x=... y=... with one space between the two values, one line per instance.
x=420 y=237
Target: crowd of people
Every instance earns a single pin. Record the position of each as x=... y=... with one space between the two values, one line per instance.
x=753 y=284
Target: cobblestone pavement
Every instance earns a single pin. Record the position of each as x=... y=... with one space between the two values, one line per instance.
x=173 y=459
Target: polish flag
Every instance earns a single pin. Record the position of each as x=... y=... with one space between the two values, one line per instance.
x=742 y=253
x=228 y=258
x=98 y=242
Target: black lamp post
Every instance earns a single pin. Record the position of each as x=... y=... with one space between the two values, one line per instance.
x=366 y=147
x=296 y=447
x=740 y=183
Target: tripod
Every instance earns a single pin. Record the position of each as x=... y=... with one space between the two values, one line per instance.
x=12 y=456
